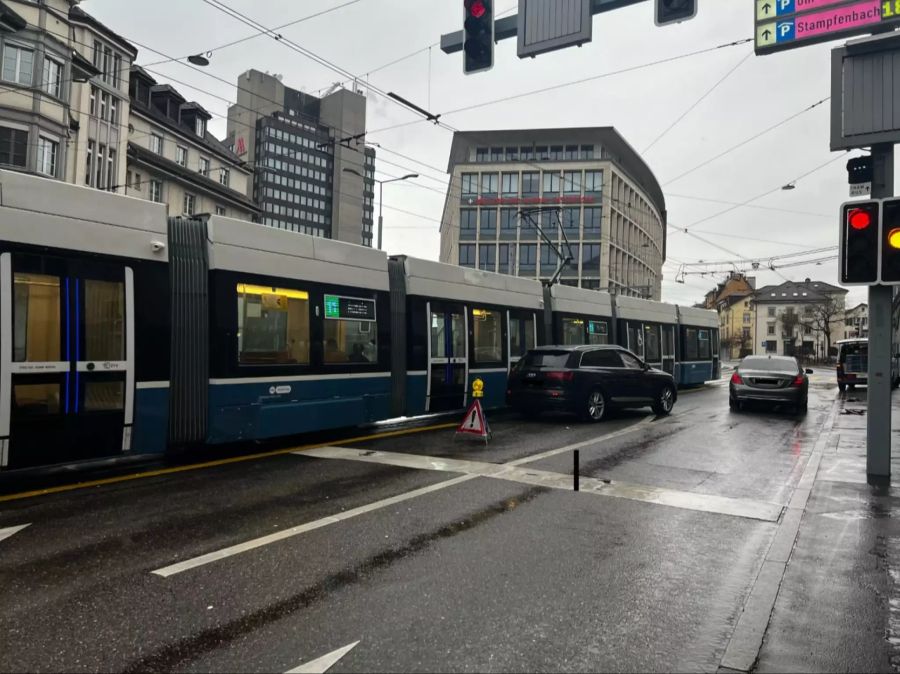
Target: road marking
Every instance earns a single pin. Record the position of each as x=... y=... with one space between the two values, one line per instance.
x=10 y=531
x=722 y=505
x=230 y=551
x=326 y=662
x=180 y=567
x=210 y=464
x=578 y=445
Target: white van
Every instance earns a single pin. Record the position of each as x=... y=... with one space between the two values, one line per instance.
x=853 y=364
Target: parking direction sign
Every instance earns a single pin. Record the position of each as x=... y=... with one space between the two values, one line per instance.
x=788 y=24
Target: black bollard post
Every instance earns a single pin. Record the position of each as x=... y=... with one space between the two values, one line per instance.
x=576 y=469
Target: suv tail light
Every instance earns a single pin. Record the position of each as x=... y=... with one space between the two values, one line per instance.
x=798 y=380
x=559 y=376
x=736 y=379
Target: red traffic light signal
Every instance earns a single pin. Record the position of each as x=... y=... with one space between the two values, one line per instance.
x=860 y=248
x=478 y=36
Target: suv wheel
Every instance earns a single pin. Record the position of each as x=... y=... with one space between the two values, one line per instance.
x=595 y=406
x=665 y=401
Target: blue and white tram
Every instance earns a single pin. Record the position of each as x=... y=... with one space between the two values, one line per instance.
x=124 y=332
x=698 y=346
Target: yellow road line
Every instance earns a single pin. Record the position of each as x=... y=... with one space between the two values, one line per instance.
x=213 y=464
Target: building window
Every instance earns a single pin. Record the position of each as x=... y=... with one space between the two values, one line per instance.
x=155 y=190
x=181 y=156
x=137 y=181
x=111 y=169
x=507 y=263
x=99 y=167
x=189 y=204
x=470 y=183
x=93 y=108
x=531 y=183
x=18 y=64
x=528 y=255
x=571 y=220
x=467 y=220
x=590 y=259
x=593 y=182
x=556 y=153
x=771 y=312
x=204 y=167
x=200 y=127
x=488 y=222
x=225 y=176
x=508 y=219
x=113 y=111
x=156 y=144
x=512 y=154
x=467 y=254
x=481 y=155
x=510 y=184
x=89 y=167
x=47 y=150
x=572 y=182
x=52 y=80
x=549 y=260
x=541 y=153
x=592 y=217
x=490 y=183
x=746 y=319
x=487 y=257
x=496 y=154
x=526 y=153
x=220 y=210
x=13 y=147
x=551 y=183
x=587 y=151
x=571 y=152
x=117 y=70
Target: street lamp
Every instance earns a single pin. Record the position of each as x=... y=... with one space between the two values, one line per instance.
x=381 y=184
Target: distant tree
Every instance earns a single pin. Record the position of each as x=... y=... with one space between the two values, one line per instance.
x=820 y=317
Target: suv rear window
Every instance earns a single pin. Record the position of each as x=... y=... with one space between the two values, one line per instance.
x=554 y=359
x=853 y=350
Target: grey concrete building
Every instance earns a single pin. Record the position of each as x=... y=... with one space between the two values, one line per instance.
x=588 y=183
x=313 y=172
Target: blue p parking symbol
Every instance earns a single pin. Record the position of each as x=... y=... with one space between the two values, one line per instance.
x=784 y=31
x=785 y=7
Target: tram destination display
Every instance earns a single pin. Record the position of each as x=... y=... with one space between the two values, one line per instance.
x=352 y=308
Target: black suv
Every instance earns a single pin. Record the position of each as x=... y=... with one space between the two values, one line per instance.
x=587 y=381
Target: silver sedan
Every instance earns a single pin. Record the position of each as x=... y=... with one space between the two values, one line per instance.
x=778 y=380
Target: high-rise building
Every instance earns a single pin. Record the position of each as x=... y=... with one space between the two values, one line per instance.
x=313 y=172
x=586 y=186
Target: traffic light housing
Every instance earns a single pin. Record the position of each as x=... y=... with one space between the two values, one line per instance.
x=859 y=245
x=674 y=11
x=890 y=241
x=478 y=36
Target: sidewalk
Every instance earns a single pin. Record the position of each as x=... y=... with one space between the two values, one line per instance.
x=838 y=607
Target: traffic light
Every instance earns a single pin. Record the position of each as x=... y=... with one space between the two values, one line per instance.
x=478 y=36
x=674 y=11
x=859 y=249
x=890 y=241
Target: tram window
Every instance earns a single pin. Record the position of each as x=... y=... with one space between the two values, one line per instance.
x=573 y=331
x=351 y=333
x=487 y=336
x=598 y=332
x=273 y=325
x=36 y=321
x=104 y=396
x=104 y=320
x=36 y=399
x=651 y=344
x=690 y=344
x=517 y=347
x=703 y=340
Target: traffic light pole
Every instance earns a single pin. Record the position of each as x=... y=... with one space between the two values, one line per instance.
x=878 y=441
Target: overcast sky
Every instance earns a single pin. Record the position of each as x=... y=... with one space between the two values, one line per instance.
x=641 y=104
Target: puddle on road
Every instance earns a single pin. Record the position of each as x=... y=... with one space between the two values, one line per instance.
x=187 y=650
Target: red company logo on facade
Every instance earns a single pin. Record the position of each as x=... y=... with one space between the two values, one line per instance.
x=531 y=201
x=241 y=147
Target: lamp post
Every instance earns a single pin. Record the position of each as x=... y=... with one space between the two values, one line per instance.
x=381 y=184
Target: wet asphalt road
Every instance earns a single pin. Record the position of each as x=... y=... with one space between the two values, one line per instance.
x=486 y=574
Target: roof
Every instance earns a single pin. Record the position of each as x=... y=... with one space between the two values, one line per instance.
x=615 y=149
x=178 y=171
x=798 y=291
x=79 y=15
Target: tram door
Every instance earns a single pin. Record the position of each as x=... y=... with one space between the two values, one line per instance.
x=668 y=349
x=448 y=366
x=66 y=360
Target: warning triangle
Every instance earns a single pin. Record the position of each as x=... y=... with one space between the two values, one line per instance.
x=474 y=422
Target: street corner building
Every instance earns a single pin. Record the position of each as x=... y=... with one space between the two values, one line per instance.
x=587 y=186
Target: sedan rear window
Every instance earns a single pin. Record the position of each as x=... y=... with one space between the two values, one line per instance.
x=770 y=364
x=555 y=359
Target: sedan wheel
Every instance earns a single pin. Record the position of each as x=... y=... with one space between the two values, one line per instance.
x=596 y=406
x=665 y=401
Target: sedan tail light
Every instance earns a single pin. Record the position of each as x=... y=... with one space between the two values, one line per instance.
x=559 y=376
x=798 y=380
x=736 y=379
